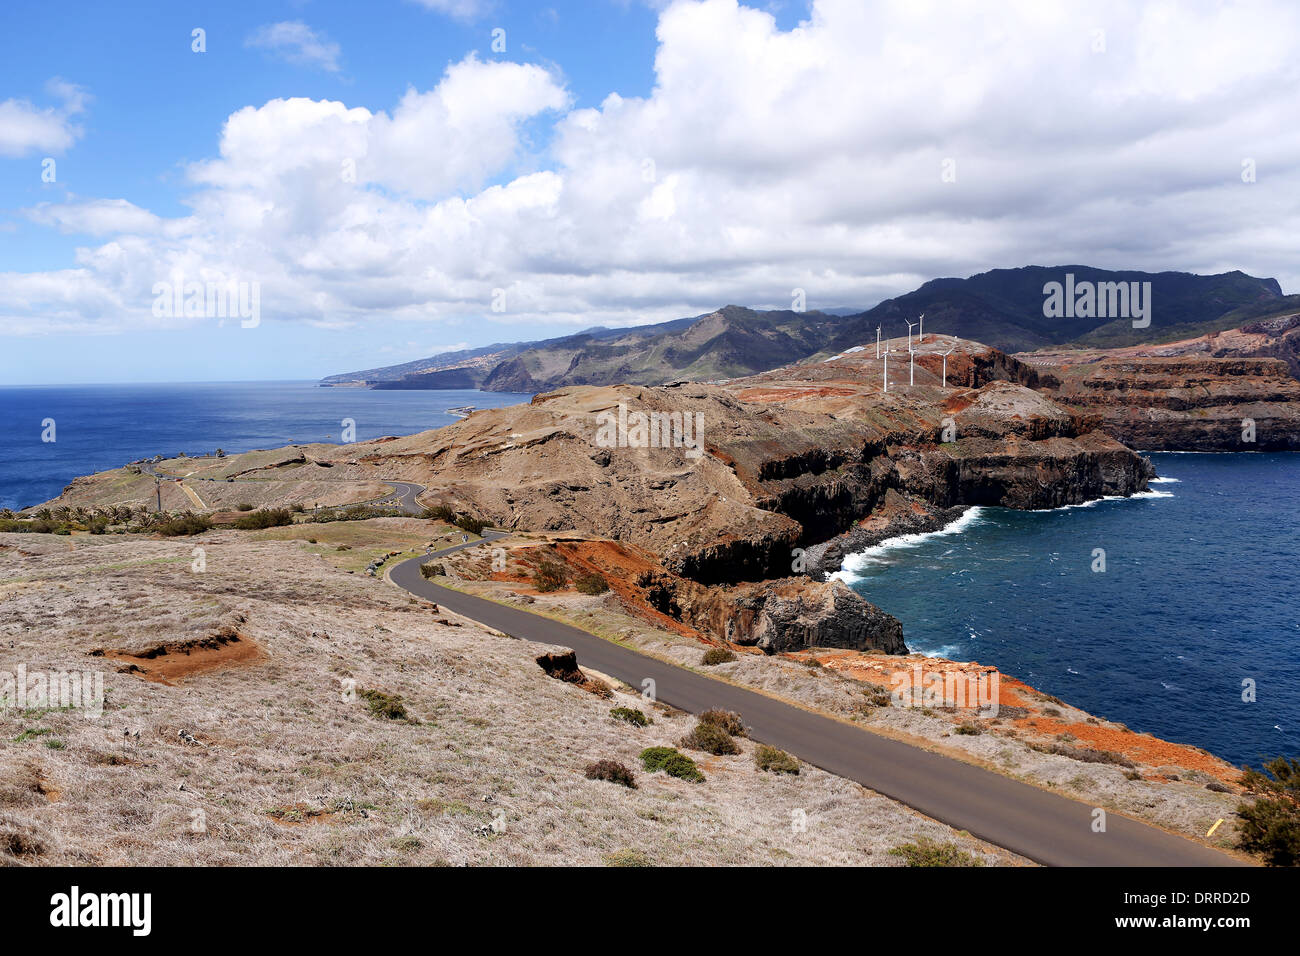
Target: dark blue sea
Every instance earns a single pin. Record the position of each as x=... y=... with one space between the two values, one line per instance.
x=104 y=426
x=1199 y=593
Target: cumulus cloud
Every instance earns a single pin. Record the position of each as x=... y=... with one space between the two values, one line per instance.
x=870 y=148
x=26 y=129
x=295 y=42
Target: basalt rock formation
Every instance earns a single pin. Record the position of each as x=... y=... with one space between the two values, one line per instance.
x=1227 y=391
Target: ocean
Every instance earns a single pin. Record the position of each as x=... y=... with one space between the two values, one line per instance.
x=1198 y=596
x=97 y=427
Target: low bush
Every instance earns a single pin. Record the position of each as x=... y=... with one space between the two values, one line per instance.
x=925 y=852
x=591 y=583
x=726 y=719
x=631 y=715
x=717 y=655
x=774 y=761
x=439 y=513
x=550 y=576
x=627 y=858
x=612 y=771
x=1271 y=825
x=264 y=518
x=471 y=524
x=710 y=738
x=432 y=570
x=188 y=523
x=387 y=706
x=968 y=730
x=672 y=762
x=244 y=506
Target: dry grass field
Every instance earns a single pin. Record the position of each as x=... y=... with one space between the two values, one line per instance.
x=239 y=727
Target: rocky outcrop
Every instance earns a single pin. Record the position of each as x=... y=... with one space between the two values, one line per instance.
x=795 y=614
x=1184 y=402
x=784 y=615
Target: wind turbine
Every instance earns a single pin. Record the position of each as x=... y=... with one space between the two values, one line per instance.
x=909 y=335
x=945 y=365
x=920 y=333
x=886 y=388
x=911 y=371
x=877 y=341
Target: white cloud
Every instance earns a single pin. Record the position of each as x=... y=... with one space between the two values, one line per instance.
x=762 y=161
x=96 y=217
x=295 y=42
x=459 y=9
x=27 y=129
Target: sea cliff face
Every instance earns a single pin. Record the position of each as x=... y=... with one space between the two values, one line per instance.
x=1227 y=391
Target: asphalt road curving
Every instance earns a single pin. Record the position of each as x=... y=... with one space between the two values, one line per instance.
x=1045 y=827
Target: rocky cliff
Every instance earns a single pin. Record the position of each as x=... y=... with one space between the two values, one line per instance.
x=1227 y=391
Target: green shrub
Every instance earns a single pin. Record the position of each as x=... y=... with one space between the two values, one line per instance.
x=432 y=570
x=471 y=524
x=672 y=762
x=188 y=523
x=245 y=506
x=264 y=518
x=968 y=730
x=631 y=715
x=717 y=655
x=591 y=583
x=1271 y=825
x=613 y=771
x=550 y=576
x=439 y=513
x=774 y=761
x=297 y=507
x=710 y=738
x=925 y=852
x=627 y=858
x=726 y=719
x=388 y=706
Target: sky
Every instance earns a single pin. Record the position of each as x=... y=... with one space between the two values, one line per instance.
x=381 y=182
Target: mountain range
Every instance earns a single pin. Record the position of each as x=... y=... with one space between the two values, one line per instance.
x=1003 y=308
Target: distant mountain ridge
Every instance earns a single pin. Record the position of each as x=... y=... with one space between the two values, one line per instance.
x=1002 y=308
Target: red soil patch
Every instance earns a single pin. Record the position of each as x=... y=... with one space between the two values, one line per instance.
x=1038 y=725
x=175 y=661
x=1139 y=748
x=621 y=568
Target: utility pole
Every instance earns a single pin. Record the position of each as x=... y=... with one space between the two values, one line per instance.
x=157 y=487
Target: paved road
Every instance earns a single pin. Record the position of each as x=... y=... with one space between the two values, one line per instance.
x=1045 y=827
x=404 y=495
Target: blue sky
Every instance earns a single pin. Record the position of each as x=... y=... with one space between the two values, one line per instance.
x=771 y=147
